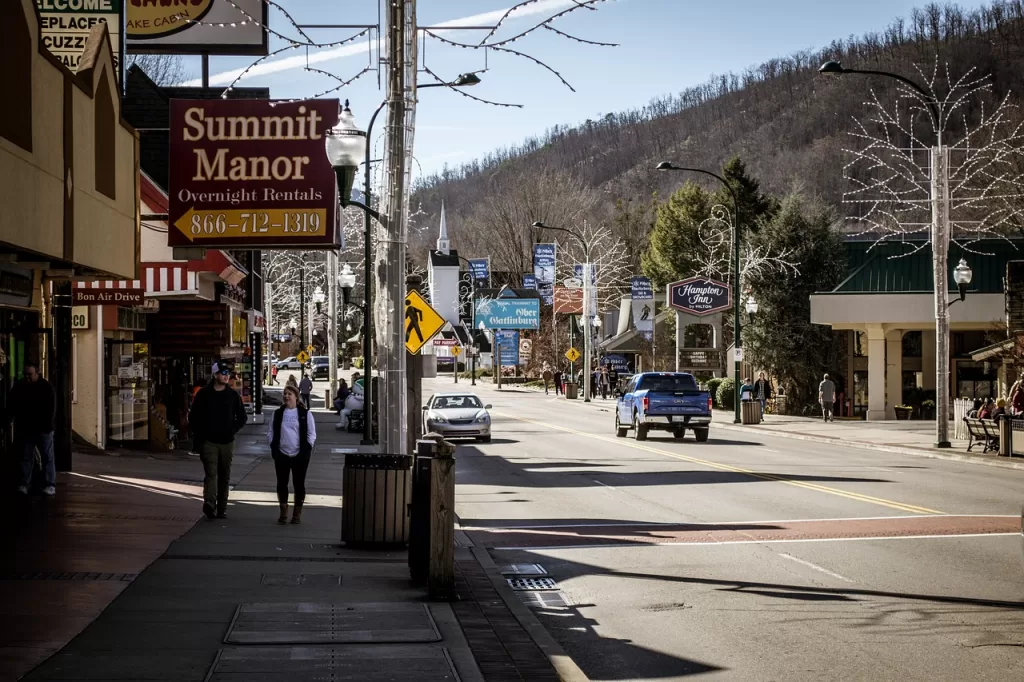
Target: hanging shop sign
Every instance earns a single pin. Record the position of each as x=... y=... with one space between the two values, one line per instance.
x=80 y=317
x=64 y=27
x=251 y=174
x=120 y=297
x=225 y=27
x=643 y=306
x=699 y=296
x=544 y=271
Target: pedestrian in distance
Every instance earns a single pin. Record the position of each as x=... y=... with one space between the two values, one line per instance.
x=305 y=388
x=602 y=382
x=273 y=375
x=1017 y=397
x=613 y=380
x=547 y=375
x=217 y=415
x=33 y=405
x=827 y=396
x=291 y=435
x=762 y=392
x=556 y=376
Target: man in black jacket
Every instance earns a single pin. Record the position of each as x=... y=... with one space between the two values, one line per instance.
x=34 y=408
x=217 y=415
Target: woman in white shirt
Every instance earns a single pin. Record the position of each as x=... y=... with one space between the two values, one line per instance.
x=292 y=435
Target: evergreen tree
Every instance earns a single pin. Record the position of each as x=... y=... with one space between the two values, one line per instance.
x=675 y=239
x=781 y=339
x=755 y=206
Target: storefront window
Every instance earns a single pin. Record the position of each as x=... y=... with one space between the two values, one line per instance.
x=976 y=380
x=912 y=345
x=128 y=394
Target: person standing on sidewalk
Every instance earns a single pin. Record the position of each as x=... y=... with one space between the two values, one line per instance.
x=547 y=375
x=305 y=389
x=34 y=408
x=557 y=377
x=273 y=375
x=292 y=435
x=217 y=415
x=762 y=391
x=827 y=396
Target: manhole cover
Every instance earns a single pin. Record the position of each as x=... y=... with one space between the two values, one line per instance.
x=523 y=569
x=323 y=663
x=306 y=580
x=543 y=600
x=332 y=623
x=532 y=583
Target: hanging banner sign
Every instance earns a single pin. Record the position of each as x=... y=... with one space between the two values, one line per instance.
x=699 y=296
x=578 y=273
x=529 y=281
x=481 y=270
x=64 y=27
x=643 y=306
x=226 y=27
x=544 y=271
x=251 y=174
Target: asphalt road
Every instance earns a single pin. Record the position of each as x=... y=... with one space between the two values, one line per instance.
x=749 y=557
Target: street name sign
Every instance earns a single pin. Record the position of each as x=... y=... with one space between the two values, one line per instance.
x=699 y=296
x=97 y=296
x=422 y=323
x=251 y=174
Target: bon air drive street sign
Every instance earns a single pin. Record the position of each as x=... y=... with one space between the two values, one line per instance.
x=251 y=174
x=699 y=296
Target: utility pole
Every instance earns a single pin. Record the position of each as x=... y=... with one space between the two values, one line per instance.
x=401 y=82
x=940 y=263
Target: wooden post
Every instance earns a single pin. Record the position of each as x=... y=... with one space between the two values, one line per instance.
x=441 y=571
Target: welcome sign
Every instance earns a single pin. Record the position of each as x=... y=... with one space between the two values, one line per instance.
x=508 y=313
x=699 y=296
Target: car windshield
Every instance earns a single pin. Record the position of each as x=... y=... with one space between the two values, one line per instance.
x=668 y=383
x=454 y=402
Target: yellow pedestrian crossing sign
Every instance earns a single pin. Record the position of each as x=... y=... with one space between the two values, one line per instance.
x=302 y=357
x=309 y=348
x=456 y=351
x=572 y=355
x=422 y=322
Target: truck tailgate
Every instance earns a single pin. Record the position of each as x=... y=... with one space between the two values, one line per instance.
x=678 y=402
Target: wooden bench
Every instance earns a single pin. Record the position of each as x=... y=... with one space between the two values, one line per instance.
x=984 y=431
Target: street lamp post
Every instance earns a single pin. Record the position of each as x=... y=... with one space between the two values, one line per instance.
x=737 y=330
x=940 y=244
x=347 y=149
x=346 y=280
x=587 y=303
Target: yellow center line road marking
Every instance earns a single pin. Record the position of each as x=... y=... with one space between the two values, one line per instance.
x=912 y=508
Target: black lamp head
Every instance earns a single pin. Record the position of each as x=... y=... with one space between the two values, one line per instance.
x=664 y=165
x=831 y=68
x=466 y=79
x=539 y=225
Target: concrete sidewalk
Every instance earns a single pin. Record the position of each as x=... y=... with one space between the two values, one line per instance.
x=245 y=598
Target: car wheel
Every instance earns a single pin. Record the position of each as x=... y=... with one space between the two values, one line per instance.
x=620 y=430
x=679 y=433
x=639 y=430
x=701 y=434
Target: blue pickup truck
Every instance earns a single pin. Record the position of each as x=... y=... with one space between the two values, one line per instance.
x=666 y=401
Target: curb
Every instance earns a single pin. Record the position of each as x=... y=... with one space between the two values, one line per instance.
x=916 y=452
x=564 y=666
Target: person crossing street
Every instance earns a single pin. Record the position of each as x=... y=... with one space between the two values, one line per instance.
x=217 y=415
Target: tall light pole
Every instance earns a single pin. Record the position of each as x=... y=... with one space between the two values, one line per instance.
x=588 y=303
x=347 y=148
x=346 y=280
x=939 y=197
x=737 y=330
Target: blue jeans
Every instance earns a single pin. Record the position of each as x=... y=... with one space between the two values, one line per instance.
x=29 y=443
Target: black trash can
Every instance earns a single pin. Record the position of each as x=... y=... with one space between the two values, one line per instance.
x=376 y=491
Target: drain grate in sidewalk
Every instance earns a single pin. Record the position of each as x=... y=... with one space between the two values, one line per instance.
x=523 y=569
x=332 y=623
x=413 y=662
x=305 y=580
x=543 y=600
x=532 y=583
x=78 y=575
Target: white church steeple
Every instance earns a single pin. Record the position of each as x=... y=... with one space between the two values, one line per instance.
x=442 y=239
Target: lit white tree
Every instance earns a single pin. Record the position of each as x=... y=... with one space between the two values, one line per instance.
x=715 y=257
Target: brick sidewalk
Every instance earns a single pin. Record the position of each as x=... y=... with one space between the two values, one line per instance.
x=120 y=578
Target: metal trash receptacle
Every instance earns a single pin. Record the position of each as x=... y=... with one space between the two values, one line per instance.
x=750 y=412
x=376 y=491
x=570 y=390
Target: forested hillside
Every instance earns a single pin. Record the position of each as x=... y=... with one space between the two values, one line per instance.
x=787 y=123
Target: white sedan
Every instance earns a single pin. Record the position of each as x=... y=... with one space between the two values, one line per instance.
x=457 y=415
x=289 y=363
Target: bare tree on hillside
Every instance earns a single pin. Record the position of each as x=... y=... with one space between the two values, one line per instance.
x=163 y=69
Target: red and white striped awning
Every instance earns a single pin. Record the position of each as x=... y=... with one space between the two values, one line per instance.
x=162 y=279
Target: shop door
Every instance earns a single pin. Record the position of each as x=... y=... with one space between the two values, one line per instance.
x=127 y=391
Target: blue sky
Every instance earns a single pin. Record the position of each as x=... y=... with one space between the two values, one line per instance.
x=665 y=46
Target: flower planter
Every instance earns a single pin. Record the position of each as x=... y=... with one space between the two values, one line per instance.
x=903 y=413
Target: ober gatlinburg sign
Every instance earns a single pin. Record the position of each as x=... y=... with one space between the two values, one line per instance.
x=699 y=296
x=251 y=174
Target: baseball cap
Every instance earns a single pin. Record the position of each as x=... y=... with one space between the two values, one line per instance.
x=223 y=367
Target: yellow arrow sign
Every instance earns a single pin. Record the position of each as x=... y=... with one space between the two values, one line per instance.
x=267 y=224
x=572 y=355
x=422 y=322
x=456 y=351
x=302 y=357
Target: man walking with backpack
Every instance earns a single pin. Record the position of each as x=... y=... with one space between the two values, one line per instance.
x=217 y=415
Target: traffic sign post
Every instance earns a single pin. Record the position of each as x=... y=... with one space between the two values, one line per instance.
x=422 y=323
x=302 y=357
x=456 y=351
x=572 y=355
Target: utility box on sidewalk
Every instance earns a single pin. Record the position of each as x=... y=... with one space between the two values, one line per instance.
x=570 y=390
x=376 y=491
x=750 y=412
